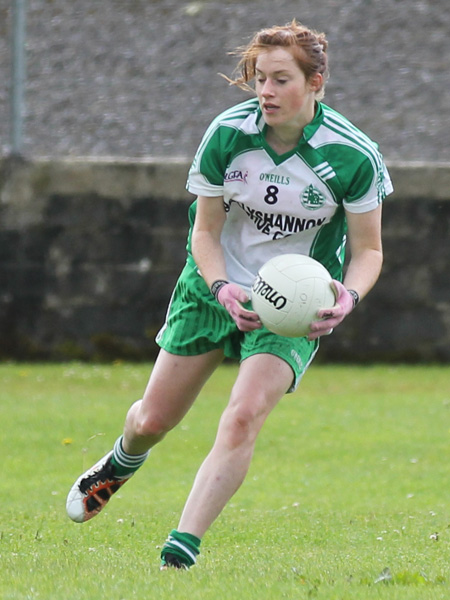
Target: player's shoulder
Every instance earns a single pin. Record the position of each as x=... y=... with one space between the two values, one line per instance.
x=244 y=115
x=239 y=111
x=236 y=126
x=343 y=145
x=335 y=128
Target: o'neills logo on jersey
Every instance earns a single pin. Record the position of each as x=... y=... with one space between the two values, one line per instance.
x=263 y=289
x=312 y=198
x=273 y=178
x=236 y=176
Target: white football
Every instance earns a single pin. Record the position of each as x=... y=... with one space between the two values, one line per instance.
x=288 y=291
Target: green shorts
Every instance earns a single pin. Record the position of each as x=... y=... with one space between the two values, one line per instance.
x=196 y=323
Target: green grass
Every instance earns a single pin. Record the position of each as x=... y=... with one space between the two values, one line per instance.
x=350 y=478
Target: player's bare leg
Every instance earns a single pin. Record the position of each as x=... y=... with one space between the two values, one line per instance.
x=262 y=381
x=173 y=386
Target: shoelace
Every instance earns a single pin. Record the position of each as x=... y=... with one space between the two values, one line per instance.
x=103 y=475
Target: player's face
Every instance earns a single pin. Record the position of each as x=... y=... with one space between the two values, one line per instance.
x=285 y=97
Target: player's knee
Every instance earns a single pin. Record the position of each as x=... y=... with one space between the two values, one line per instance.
x=151 y=426
x=241 y=423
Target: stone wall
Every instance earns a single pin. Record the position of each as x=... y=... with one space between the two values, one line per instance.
x=90 y=250
x=140 y=78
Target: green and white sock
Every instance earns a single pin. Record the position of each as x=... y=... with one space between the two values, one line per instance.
x=185 y=546
x=125 y=463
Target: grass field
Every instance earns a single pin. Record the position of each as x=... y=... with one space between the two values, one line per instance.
x=347 y=497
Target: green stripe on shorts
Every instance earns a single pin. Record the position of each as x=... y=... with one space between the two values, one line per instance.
x=196 y=323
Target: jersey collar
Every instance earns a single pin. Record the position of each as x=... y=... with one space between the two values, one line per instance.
x=308 y=131
x=312 y=127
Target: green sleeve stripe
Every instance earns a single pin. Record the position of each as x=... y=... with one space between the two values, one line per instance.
x=376 y=164
x=232 y=117
x=344 y=128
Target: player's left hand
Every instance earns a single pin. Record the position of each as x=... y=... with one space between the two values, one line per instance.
x=331 y=317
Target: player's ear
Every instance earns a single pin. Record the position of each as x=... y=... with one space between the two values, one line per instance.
x=316 y=82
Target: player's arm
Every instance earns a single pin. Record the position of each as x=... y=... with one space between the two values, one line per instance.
x=208 y=255
x=206 y=247
x=366 y=251
x=366 y=259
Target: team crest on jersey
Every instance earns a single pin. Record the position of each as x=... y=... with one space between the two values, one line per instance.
x=312 y=198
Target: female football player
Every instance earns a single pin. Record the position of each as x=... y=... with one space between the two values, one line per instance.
x=279 y=173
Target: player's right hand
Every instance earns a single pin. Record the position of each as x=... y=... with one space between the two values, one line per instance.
x=231 y=296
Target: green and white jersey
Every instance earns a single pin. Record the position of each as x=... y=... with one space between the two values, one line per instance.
x=289 y=203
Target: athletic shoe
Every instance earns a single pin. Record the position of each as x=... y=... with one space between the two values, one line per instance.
x=170 y=561
x=91 y=491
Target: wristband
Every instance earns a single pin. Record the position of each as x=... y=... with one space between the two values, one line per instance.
x=355 y=297
x=216 y=286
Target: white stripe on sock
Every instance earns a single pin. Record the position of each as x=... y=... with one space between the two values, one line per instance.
x=131 y=461
x=183 y=547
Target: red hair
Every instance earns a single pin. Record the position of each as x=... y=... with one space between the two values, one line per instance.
x=308 y=47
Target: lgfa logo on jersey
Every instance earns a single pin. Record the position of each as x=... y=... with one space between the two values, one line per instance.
x=312 y=198
x=236 y=176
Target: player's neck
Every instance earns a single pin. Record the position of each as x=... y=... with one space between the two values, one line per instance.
x=282 y=140
x=284 y=137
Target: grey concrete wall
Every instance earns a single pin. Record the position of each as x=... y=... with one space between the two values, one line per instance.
x=140 y=78
x=90 y=250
